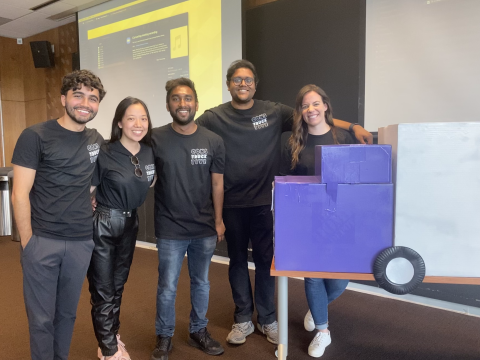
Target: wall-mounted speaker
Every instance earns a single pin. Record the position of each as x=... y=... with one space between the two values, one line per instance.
x=42 y=54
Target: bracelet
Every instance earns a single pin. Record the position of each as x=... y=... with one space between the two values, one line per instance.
x=350 y=128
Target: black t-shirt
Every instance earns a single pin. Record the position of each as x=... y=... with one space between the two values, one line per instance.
x=118 y=186
x=64 y=161
x=306 y=159
x=183 y=191
x=252 y=145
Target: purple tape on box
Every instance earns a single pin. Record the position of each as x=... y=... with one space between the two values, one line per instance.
x=354 y=164
x=311 y=236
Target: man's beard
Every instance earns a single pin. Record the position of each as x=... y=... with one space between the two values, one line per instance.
x=182 y=122
x=239 y=100
x=71 y=113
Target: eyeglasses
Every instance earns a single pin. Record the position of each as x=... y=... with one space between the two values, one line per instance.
x=238 y=80
x=138 y=171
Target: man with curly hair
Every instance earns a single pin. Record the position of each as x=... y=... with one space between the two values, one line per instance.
x=53 y=163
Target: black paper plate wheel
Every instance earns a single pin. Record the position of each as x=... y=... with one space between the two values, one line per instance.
x=399 y=270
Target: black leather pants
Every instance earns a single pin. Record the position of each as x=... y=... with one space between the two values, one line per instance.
x=114 y=234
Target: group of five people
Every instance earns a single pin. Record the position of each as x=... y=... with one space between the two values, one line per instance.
x=212 y=180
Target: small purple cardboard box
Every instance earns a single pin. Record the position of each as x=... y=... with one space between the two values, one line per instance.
x=354 y=164
x=315 y=232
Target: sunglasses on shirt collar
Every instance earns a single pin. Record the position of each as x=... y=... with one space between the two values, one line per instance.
x=136 y=163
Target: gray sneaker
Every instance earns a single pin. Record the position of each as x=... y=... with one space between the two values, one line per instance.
x=271 y=330
x=239 y=332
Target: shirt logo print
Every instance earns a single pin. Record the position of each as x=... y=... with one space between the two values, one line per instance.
x=260 y=121
x=93 y=150
x=150 y=169
x=199 y=156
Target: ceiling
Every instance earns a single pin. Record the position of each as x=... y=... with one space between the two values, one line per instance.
x=18 y=21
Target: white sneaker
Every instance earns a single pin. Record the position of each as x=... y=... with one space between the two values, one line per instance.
x=239 y=332
x=318 y=344
x=271 y=330
x=308 y=322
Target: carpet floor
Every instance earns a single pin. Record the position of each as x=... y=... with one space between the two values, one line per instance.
x=362 y=326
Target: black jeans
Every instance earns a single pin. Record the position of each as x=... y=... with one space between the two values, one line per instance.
x=254 y=224
x=114 y=234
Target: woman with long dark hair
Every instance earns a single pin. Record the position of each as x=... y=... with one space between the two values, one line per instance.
x=313 y=125
x=125 y=170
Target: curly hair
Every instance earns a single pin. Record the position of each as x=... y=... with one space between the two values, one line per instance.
x=76 y=79
x=239 y=64
x=298 y=139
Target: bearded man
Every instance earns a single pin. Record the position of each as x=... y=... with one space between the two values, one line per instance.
x=53 y=164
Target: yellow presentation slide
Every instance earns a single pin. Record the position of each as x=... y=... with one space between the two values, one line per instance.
x=144 y=46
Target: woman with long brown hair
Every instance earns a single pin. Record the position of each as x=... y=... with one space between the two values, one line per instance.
x=312 y=126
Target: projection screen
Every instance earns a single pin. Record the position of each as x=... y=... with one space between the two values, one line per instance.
x=136 y=46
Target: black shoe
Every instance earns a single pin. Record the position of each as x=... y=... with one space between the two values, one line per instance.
x=164 y=345
x=203 y=340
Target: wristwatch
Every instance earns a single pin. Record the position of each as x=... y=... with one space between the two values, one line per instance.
x=350 y=128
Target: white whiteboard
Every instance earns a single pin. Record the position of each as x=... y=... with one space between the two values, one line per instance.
x=437 y=194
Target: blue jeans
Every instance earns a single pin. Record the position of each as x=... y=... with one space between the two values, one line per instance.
x=170 y=258
x=320 y=293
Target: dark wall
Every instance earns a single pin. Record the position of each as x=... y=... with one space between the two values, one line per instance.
x=297 y=42
x=300 y=42
x=146 y=224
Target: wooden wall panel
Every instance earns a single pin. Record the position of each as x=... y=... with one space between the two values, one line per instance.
x=12 y=60
x=13 y=124
x=34 y=79
x=12 y=94
x=35 y=112
x=31 y=95
x=39 y=76
x=2 y=163
x=67 y=44
x=68 y=38
x=53 y=81
x=34 y=82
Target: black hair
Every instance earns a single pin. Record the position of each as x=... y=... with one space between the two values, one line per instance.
x=122 y=107
x=238 y=64
x=76 y=79
x=172 y=84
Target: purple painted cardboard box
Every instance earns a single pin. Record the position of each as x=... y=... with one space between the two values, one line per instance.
x=314 y=231
x=354 y=164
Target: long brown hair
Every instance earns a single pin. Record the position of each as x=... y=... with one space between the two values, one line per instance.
x=298 y=139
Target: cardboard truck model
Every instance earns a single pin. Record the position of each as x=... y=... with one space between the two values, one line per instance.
x=419 y=219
